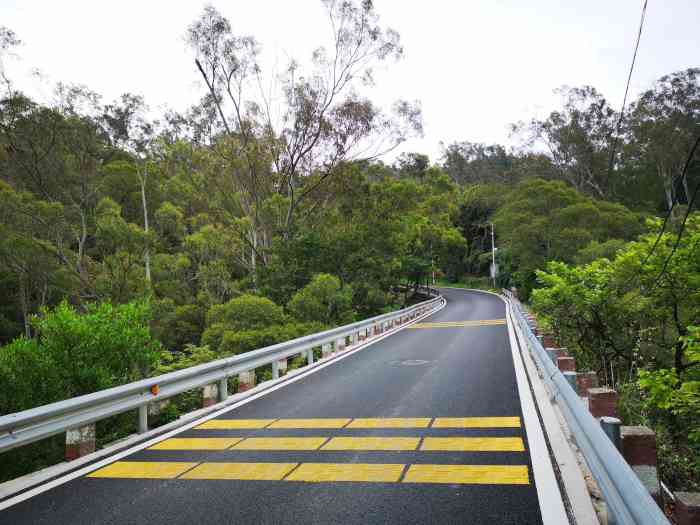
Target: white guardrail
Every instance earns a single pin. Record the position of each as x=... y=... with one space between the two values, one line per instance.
x=22 y=428
x=627 y=499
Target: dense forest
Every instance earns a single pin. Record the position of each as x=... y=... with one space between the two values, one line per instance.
x=132 y=245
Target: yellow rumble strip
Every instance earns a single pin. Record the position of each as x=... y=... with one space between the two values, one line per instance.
x=310 y=423
x=329 y=472
x=476 y=422
x=390 y=422
x=142 y=469
x=196 y=444
x=281 y=443
x=468 y=474
x=229 y=424
x=472 y=444
x=242 y=471
x=372 y=443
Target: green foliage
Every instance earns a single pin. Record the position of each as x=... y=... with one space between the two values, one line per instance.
x=323 y=300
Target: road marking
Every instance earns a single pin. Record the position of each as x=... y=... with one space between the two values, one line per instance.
x=476 y=422
x=281 y=443
x=330 y=472
x=143 y=469
x=232 y=405
x=372 y=443
x=310 y=423
x=196 y=444
x=229 y=424
x=390 y=422
x=468 y=474
x=240 y=471
x=458 y=324
x=473 y=444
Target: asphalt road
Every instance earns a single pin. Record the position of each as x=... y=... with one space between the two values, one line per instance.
x=450 y=370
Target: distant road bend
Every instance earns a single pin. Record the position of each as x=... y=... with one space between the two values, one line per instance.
x=434 y=424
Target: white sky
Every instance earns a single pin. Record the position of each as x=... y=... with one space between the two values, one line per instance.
x=476 y=65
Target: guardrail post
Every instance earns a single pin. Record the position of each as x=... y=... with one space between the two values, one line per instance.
x=611 y=426
x=246 y=380
x=639 y=449
x=143 y=418
x=80 y=441
x=310 y=356
x=602 y=402
x=279 y=366
x=566 y=364
x=210 y=395
x=340 y=344
x=687 y=511
x=223 y=389
x=585 y=381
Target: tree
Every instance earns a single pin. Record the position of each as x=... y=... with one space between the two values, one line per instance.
x=323 y=300
x=323 y=121
x=663 y=125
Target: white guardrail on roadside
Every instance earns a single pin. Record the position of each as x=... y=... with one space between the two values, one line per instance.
x=627 y=499
x=22 y=428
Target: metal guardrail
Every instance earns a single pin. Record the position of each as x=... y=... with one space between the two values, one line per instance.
x=22 y=428
x=627 y=499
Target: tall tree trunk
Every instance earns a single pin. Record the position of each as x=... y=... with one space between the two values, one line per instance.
x=147 y=254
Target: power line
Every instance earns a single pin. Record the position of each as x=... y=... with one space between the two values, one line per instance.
x=627 y=87
x=685 y=217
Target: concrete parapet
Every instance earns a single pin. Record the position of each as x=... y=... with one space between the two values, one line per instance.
x=246 y=380
x=586 y=380
x=210 y=395
x=80 y=442
x=566 y=364
x=602 y=402
x=687 y=510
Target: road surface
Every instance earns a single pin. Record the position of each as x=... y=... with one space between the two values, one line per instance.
x=423 y=426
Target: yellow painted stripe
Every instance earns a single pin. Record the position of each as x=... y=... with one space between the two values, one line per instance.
x=390 y=422
x=372 y=443
x=476 y=422
x=473 y=444
x=310 y=423
x=329 y=472
x=281 y=443
x=196 y=444
x=468 y=474
x=227 y=424
x=143 y=469
x=243 y=471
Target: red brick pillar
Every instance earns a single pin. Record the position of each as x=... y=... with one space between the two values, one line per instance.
x=80 y=442
x=210 y=395
x=602 y=402
x=586 y=380
x=687 y=510
x=639 y=450
x=566 y=364
x=246 y=380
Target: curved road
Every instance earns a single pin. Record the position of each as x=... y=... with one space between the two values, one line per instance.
x=456 y=366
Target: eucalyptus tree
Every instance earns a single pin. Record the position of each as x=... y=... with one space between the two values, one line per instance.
x=289 y=140
x=664 y=123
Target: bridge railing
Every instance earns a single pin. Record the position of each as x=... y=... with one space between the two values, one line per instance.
x=627 y=499
x=22 y=428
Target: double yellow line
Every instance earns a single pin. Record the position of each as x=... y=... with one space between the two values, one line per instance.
x=459 y=324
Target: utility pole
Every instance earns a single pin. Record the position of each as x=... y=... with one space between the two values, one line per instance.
x=493 y=257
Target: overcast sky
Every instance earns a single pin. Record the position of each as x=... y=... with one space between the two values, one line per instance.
x=476 y=65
